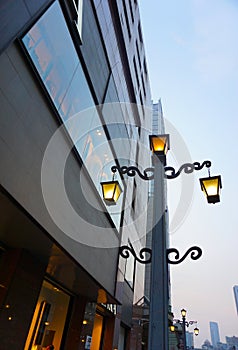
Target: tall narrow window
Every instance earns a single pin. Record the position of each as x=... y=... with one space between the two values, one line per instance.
x=78 y=7
x=140 y=33
x=136 y=72
x=127 y=19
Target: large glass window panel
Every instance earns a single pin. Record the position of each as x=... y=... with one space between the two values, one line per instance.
x=50 y=46
x=78 y=96
x=52 y=51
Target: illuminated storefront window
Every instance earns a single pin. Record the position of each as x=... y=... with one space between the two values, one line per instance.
x=49 y=318
x=97 y=330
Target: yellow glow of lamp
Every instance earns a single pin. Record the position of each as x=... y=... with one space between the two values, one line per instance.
x=159 y=144
x=196 y=331
x=183 y=312
x=111 y=192
x=172 y=328
x=211 y=187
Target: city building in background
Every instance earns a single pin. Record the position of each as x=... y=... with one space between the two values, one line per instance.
x=190 y=340
x=75 y=99
x=214 y=331
x=232 y=342
x=235 y=290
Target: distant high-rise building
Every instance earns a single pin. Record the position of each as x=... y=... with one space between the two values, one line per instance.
x=235 y=289
x=215 y=337
x=189 y=340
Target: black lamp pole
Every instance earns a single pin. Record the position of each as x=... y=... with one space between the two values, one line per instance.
x=184 y=332
x=158 y=326
x=184 y=325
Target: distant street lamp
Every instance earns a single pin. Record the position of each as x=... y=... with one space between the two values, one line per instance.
x=159 y=144
x=184 y=325
x=196 y=331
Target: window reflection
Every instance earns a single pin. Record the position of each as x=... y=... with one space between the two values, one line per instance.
x=49 y=318
x=52 y=51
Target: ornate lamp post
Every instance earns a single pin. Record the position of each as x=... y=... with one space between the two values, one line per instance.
x=159 y=144
x=185 y=324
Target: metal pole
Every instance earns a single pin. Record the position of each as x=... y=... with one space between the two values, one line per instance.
x=158 y=325
x=184 y=334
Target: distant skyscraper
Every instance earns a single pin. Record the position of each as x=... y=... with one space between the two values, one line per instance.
x=215 y=337
x=189 y=340
x=235 y=289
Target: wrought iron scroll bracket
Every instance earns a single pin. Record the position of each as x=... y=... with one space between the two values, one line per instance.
x=133 y=171
x=145 y=254
x=196 y=253
x=125 y=252
x=188 y=168
x=169 y=171
x=187 y=323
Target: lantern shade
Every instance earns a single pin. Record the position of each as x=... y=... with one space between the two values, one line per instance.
x=111 y=192
x=172 y=328
x=196 y=331
x=211 y=187
x=159 y=144
x=183 y=312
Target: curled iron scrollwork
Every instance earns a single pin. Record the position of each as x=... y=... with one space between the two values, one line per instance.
x=169 y=171
x=133 y=170
x=187 y=167
x=126 y=250
x=195 y=251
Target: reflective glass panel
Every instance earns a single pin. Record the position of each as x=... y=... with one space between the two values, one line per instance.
x=53 y=53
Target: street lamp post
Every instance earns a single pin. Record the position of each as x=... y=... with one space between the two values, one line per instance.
x=158 y=325
x=185 y=324
x=183 y=313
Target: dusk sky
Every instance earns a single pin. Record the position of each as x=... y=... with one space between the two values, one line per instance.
x=192 y=56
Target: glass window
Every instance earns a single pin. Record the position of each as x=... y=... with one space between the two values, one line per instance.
x=92 y=329
x=52 y=51
x=94 y=52
x=49 y=318
x=127 y=19
x=78 y=5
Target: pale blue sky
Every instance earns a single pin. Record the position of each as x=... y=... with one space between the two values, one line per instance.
x=192 y=57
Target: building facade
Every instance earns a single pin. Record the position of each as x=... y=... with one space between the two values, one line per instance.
x=235 y=290
x=75 y=100
x=215 y=336
x=190 y=340
x=232 y=342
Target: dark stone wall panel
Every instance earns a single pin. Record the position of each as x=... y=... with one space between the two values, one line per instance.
x=14 y=17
